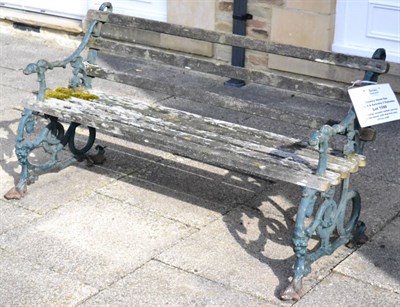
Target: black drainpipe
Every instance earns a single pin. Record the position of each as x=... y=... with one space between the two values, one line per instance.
x=239 y=27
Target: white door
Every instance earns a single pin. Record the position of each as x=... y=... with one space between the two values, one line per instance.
x=152 y=9
x=365 y=25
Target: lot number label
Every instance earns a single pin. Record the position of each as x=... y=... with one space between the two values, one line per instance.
x=375 y=104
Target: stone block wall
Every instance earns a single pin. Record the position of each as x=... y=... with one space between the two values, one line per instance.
x=305 y=23
x=198 y=14
x=259 y=27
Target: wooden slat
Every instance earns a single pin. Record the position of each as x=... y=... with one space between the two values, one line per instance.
x=205 y=97
x=224 y=70
x=196 y=137
x=258 y=141
x=278 y=145
x=184 y=147
x=235 y=40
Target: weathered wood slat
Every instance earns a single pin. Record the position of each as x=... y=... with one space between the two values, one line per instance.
x=192 y=150
x=206 y=97
x=261 y=141
x=256 y=140
x=233 y=40
x=221 y=69
x=202 y=139
x=246 y=137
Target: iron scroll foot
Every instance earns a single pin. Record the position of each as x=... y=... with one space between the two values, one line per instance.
x=52 y=139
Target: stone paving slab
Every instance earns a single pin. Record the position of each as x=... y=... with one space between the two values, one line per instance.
x=175 y=202
x=27 y=84
x=9 y=168
x=9 y=124
x=218 y=175
x=15 y=79
x=248 y=249
x=187 y=209
x=11 y=97
x=379 y=200
x=188 y=181
x=157 y=284
x=12 y=216
x=26 y=283
x=337 y=290
x=126 y=159
x=278 y=198
x=54 y=189
x=243 y=250
x=200 y=195
x=30 y=49
x=378 y=262
x=96 y=240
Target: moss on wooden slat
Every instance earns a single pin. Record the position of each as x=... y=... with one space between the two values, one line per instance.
x=64 y=93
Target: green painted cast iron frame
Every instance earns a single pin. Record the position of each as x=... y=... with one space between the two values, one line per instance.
x=329 y=218
x=53 y=139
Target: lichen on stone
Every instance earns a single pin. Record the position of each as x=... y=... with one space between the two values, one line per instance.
x=63 y=93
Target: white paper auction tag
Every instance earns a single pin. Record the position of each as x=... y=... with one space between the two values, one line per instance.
x=375 y=104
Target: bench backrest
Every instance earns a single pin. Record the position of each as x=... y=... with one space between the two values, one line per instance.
x=118 y=34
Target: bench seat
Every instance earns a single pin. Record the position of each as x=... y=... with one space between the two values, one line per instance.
x=224 y=144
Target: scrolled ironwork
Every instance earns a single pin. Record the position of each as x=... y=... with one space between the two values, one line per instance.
x=106 y=6
x=70 y=139
x=329 y=219
x=79 y=77
x=328 y=225
x=52 y=139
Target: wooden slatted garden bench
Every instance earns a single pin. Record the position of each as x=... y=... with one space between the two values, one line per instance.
x=313 y=166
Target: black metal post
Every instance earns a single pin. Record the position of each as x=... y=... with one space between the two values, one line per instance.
x=239 y=27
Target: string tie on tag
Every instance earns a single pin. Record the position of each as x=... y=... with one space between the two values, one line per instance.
x=361 y=83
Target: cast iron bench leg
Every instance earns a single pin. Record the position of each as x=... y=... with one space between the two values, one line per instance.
x=52 y=140
x=329 y=224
